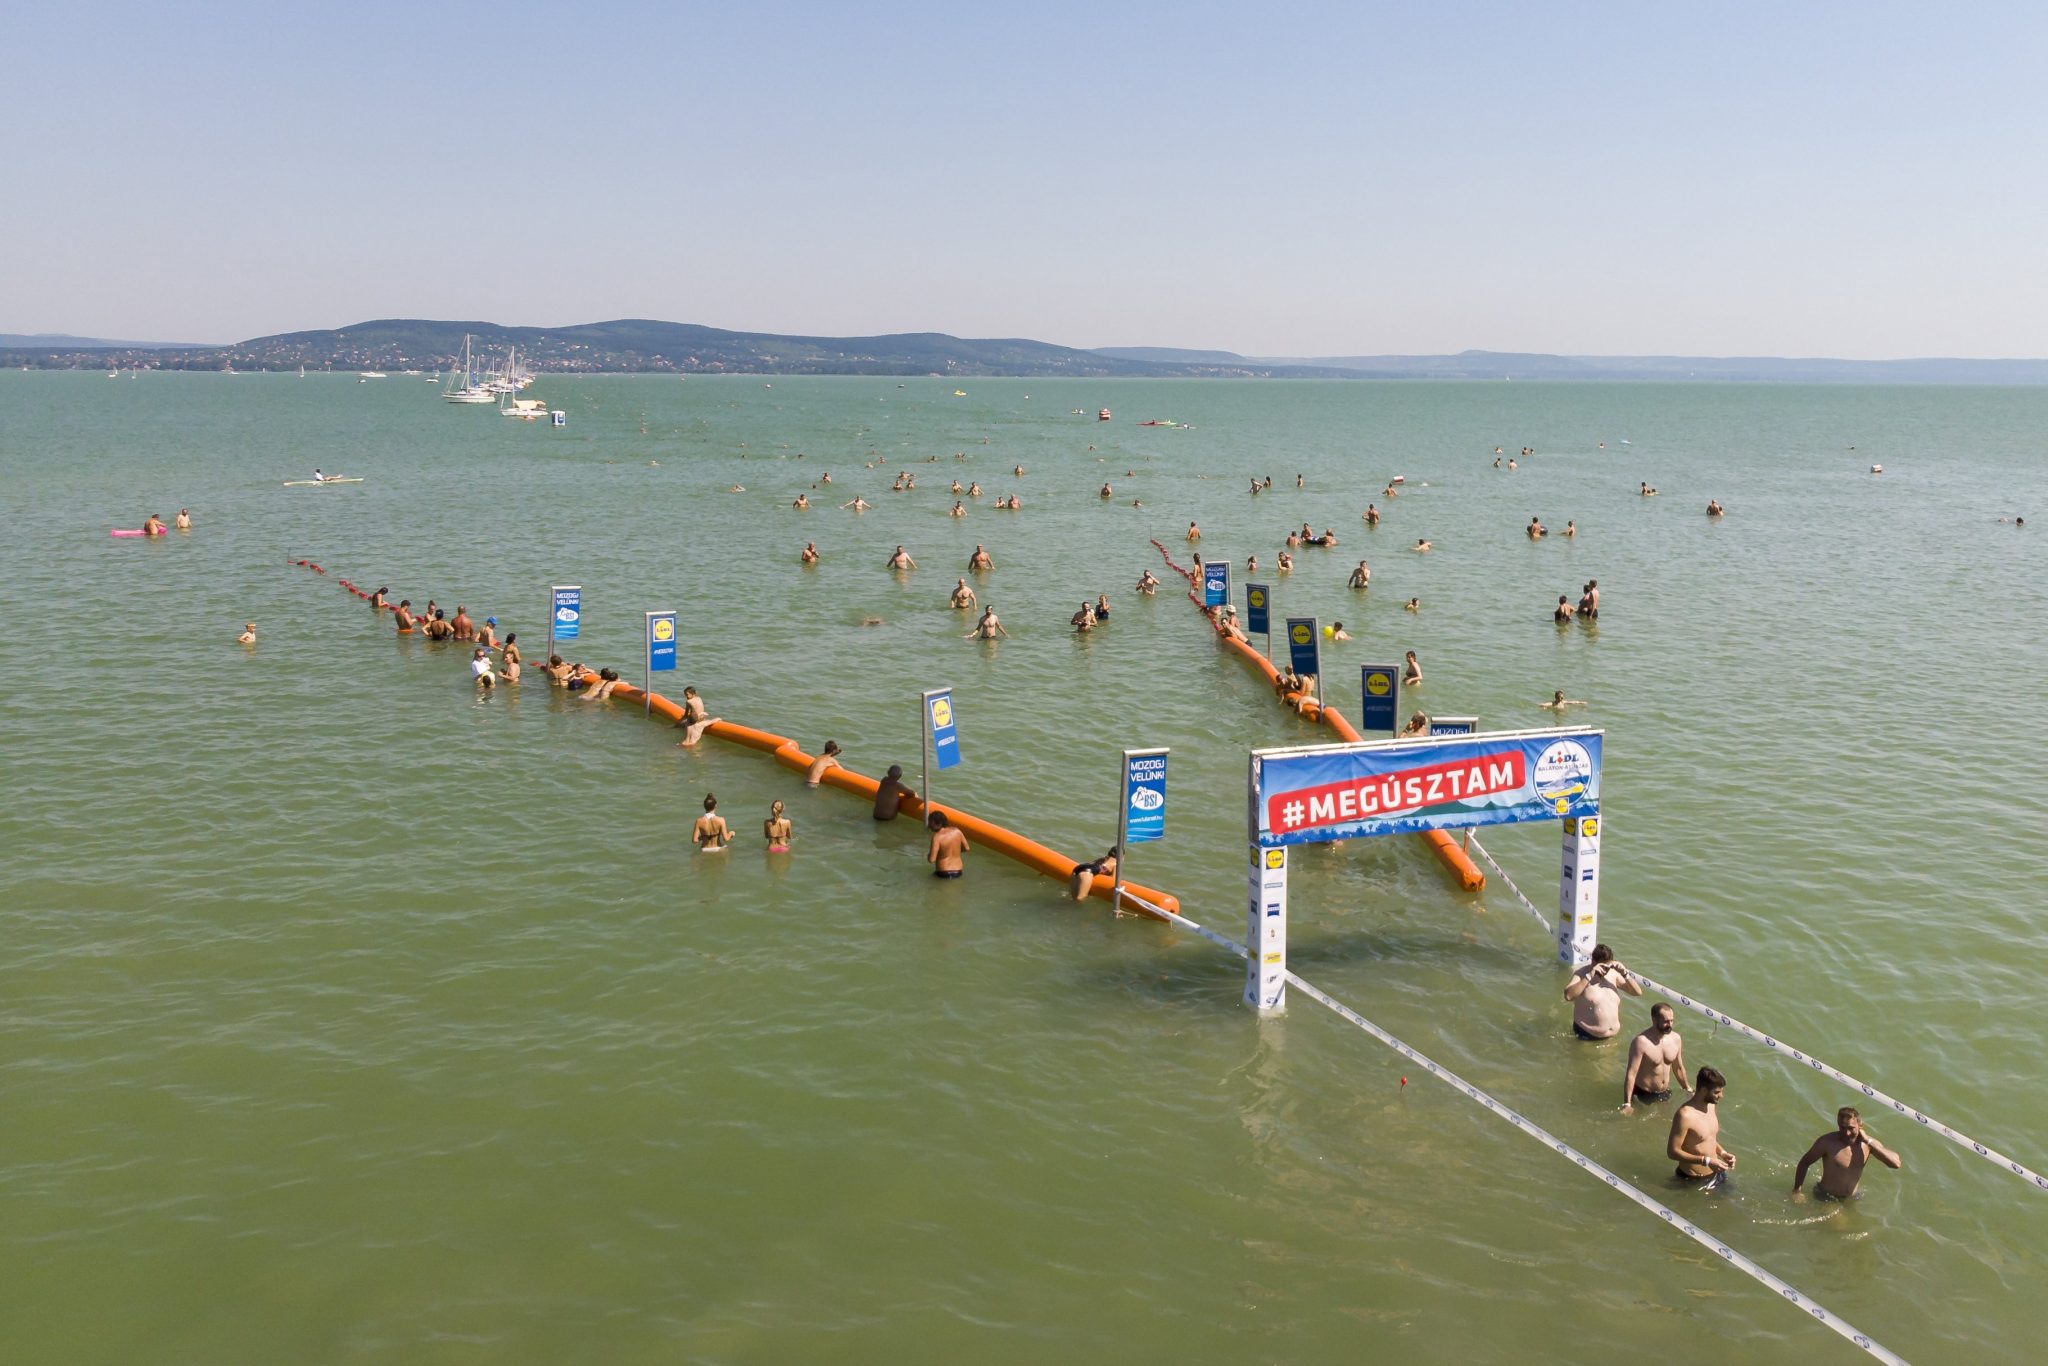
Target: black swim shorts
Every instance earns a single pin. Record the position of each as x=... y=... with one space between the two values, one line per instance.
x=949 y=872
x=1653 y=1097
x=1579 y=1030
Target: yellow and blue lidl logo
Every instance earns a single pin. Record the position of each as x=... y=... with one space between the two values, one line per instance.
x=1590 y=826
x=942 y=712
x=1257 y=597
x=1378 y=684
x=1302 y=635
x=1276 y=858
x=664 y=629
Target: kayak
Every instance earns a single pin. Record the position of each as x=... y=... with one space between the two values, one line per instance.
x=316 y=483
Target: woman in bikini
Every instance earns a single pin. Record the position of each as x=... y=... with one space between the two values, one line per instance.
x=777 y=830
x=711 y=834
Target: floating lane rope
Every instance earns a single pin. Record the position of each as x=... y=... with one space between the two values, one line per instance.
x=1791 y=1294
x=1441 y=844
x=1719 y=1017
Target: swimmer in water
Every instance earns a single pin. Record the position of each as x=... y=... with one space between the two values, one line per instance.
x=696 y=720
x=1101 y=607
x=1654 y=1056
x=889 y=794
x=559 y=673
x=1107 y=491
x=1558 y=701
x=377 y=598
x=1537 y=531
x=1411 y=672
x=480 y=669
x=810 y=553
x=153 y=525
x=778 y=829
x=1695 y=1140
x=1418 y=724
x=1019 y=471
x=1087 y=874
x=826 y=477
x=957 y=490
x=248 y=636
x=1194 y=532
x=737 y=488
x=980 y=561
x=1372 y=514
x=487 y=634
x=1647 y=491
x=1564 y=609
x=184 y=522
x=1251 y=564
x=465 y=629
x=1571 y=529
x=1421 y=545
x=1083 y=620
x=947 y=846
x=1714 y=508
x=1842 y=1155
x=1337 y=631
x=802 y=502
x=828 y=758
x=710 y=834
x=1361 y=577
x=988 y=628
x=511 y=659
x=1595 y=993
x=959 y=509
x=901 y=559
x=1147 y=583
x=963 y=596
x=974 y=490
x=1412 y=605
x=859 y=504
x=404 y=617
x=607 y=681
x=1589 y=600
x=1285 y=564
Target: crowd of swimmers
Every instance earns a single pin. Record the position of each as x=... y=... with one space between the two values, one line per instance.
x=1655 y=1060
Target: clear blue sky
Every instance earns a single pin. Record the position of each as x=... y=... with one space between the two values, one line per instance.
x=1846 y=179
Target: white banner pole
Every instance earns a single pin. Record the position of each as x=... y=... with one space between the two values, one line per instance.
x=1578 y=892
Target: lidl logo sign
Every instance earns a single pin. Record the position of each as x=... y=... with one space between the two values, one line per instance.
x=1257 y=597
x=942 y=712
x=1276 y=858
x=1301 y=634
x=1379 y=684
x=1590 y=826
x=664 y=629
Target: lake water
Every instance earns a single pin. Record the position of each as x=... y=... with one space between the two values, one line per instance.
x=351 y=1018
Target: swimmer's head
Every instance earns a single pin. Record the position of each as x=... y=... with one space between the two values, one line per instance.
x=831 y=747
x=554 y=661
x=1710 y=1083
x=937 y=820
x=710 y=802
x=1848 y=1119
x=1602 y=954
x=775 y=807
x=490 y=621
x=1663 y=1017
x=895 y=771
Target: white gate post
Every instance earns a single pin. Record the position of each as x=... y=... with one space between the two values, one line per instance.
x=1265 y=979
x=1578 y=892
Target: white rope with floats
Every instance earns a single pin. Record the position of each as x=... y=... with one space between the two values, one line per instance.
x=1805 y=1303
x=1925 y=1121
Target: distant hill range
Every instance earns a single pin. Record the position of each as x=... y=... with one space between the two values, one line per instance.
x=641 y=345
x=1508 y=365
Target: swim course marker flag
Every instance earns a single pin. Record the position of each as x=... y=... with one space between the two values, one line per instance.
x=1380 y=686
x=1216 y=583
x=1258 y=612
x=565 y=613
x=661 y=649
x=1142 y=818
x=1304 y=650
x=937 y=736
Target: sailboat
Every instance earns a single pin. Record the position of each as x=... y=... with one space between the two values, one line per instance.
x=471 y=391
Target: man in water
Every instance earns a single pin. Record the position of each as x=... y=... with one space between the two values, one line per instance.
x=1194 y=532
x=480 y=669
x=988 y=628
x=1714 y=508
x=1083 y=620
x=980 y=560
x=1107 y=491
x=1571 y=529
x=827 y=758
x=901 y=559
x=1372 y=514
x=465 y=629
x=1147 y=583
x=1654 y=1057
x=1537 y=531
x=248 y=636
x=318 y=477
x=184 y=522
x=1595 y=992
x=946 y=847
x=963 y=596
x=889 y=794
x=1412 y=605
x=487 y=634
x=1589 y=601
x=404 y=616
x=1842 y=1155
x=1421 y=545
x=1361 y=577
x=153 y=525
x=1558 y=701
x=1418 y=724
x=1695 y=1141
x=802 y=502
x=859 y=504
x=1564 y=608
x=810 y=553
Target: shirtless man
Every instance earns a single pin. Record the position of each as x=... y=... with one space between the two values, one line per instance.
x=1019 y=471
x=511 y=659
x=810 y=553
x=1537 y=531
x=1285 y=564
x=1589 y=601
x=1595 y=993
x=1654 y=1057
x=1421 y=545
x=1563 y=611
x=1571 y=529
x=184 y=522
x=889 y=794
x=1647 y=491
x=959 y=509
x=153 y=525
x=559 y=672
x=859 y=504
x=1194 y=532
x=1361 y=577
x=248 y=636
x=946 y=847
x=1695 y=1142
x=974 y=490
x=1418 y=724
x=979 y=561
x=1842 y=1155
x=1412 y=605
x=1083 y=620
x=957 y=490
x=487 y=634
x=404 y=616
x=1328 y=538
x=829 y=758
x=963 y=596
x=1147 y=583
x=901 y=559
x=802 y=502
x=988 y=628
x=1558 y=701
x=1714 y=508
x=1107 y=491
x=1337 y=631
x=465 y=629
x=1372 y=514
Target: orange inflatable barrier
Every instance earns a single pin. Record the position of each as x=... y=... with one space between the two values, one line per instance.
x=1441 y=844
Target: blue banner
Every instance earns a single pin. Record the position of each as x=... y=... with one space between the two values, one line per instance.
x=1304 y=649
x=1258 y=608
x=938 y=707
x=1380 y=685
x=661 y=642
x=1453 y=725
x=1216 y=583
x=568 y=611
x=1390 y=787
x=1144 y=797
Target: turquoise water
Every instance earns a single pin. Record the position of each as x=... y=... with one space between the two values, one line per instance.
x=351 y=1018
